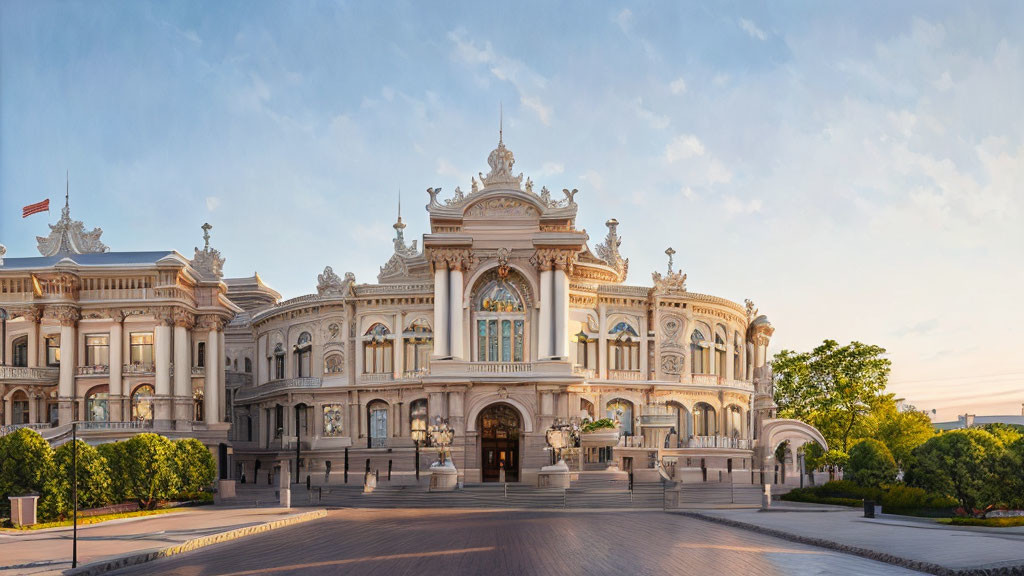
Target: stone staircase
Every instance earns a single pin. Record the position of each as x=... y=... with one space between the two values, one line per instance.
x=709 y=494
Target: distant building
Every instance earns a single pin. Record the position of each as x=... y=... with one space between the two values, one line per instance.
x=969 y=420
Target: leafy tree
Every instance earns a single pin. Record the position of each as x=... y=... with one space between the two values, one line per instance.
x=833 y=388
x=148 y=469
x=1007 y=434
x=871 y=464
x=93 y=480
x=194 y=465
x=902 y=431
x=26 y=462
x=1011 y=471
x=963 y=464
x=113 y=452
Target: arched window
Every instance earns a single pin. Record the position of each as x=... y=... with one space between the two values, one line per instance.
x=586 y=408
x=19 y=408
x=418 y=419
x=248 y=366
x=704 y=420
x=683 y=425
x=303 y=354
x=698 y=353
x=198 y=404
x=720 y=338
x=621 y=411
x=377 y=347
x=734 y=421
x=419 y=344
x=20 y=351
x=97 y=405
x=142 y=403
x=586 y=350
x=279 y=361
x=623 y=348
x=499 y=313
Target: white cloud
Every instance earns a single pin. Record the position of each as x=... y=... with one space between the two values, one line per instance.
x=734 y=205
x=656 y=121
x=752 y=30
x=212 y=202
x=945 y=82
x=683 y=147
x=625 y=20
x=678 y=86
x=533 y=103
x=688 y=193
x=552 y=168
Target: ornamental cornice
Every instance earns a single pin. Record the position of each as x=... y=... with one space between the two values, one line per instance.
x=554 y=259
x=210 y=322
x=66 y=315
x=29 y=313
x=162 y=314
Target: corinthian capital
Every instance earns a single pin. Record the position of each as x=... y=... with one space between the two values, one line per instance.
x=66 y=315
x=183 y=318
x=452 y=258
x=209 y=323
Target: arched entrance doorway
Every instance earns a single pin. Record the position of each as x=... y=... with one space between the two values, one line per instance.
x=499 y=426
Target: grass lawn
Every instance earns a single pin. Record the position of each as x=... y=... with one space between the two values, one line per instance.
x=991 y=522
x=95 y=519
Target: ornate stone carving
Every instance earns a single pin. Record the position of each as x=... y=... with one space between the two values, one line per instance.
x=501 y=207
x=672 y=282
x=672 y=364
x=210 y=322
x=68 y=236
x=3 y=251
x=751 y=310
x=454 y=258
x=609 y=249
x=208 y=261
x=329 y=284
x=671 y=325
x=501 y=161
x=334 y=362
x=333 y=331
x=183 y=318
x=163 y=315
x=66 y=315
x=503 y=256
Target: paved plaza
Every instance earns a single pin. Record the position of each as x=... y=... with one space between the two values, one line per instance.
x=416 y=542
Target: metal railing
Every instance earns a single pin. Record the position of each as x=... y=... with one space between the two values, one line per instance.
x=132 y=369
x=101 y=425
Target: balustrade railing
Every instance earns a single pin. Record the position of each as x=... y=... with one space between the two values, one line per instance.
x=132 y=369
x=275 y=386
x=91 y=370
x=588 y=373
x=377 y=377
x=630 y=375
x=718 y=442
x=129 y=425
x=499 y=367
x=706 y=379
x=418 y=373
x=10 y=428
x=26 y=373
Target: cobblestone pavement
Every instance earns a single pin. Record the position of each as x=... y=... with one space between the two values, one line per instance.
x=49 y=551
x=455 y=542
x=913 y=539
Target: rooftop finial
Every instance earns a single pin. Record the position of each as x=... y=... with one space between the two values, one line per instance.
x=399 y=225
x=67 y=186
x=206 y=235
x=670 y=253
x=501 y=120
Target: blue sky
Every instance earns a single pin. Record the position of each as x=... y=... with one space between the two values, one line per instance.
x=854 y=168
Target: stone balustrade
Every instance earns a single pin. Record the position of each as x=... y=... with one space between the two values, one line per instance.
x=499 y=367
x=5 y=430
x=45 y=375
x=377 y=377
x=138 y=369
x=198 y=371
x=249 y=393
x=628 y=375
x=98 y=370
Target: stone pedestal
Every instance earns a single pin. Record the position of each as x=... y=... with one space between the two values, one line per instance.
x=554 y=476
x=443 y=477
x=766 y=497
x=284 y=484
x=226 y=488
x=23 y=510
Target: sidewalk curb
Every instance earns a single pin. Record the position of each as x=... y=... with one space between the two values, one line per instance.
x=118 y=562
x=927 y=567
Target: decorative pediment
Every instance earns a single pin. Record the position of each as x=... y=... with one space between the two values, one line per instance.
x=502 y=207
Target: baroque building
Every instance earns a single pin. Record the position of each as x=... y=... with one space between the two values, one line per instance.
x=503 y=323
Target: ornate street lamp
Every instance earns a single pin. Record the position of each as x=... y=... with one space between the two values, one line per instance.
x=441 y=437
x=419 y=434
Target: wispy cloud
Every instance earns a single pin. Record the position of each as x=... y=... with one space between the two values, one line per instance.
x=752 y=30
x=212 y=203
x=677 y=86
x=682 y=147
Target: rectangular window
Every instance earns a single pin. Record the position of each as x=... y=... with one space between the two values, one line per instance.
x=518 y=341
x=492 y=338
x=53 y=350
x=97 y=350
x=506 y=341
x=278 y=420
x=201 y=355
x=279 y=368
x=141 y=348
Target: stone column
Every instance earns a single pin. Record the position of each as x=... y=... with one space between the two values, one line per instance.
x=644 y=368
x=456 y=345
x=222 y=377
x=116 y=365
x=32 y=317
x=399 y=347
x=544 y=328
x=183 y=411
x=352 y=425
x=403 y=419
x=441 y=309
x=712 y=360
x=162 y=358
x=214 y=370
x=560 y=346
x=602 y=341
x=729 y=364
x=8 y=411
x=68 y=318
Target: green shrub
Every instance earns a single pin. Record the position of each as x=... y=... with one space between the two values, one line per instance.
x=149 y=469
x=963 y=464
x=907 y=498
x=194 y=465
x=596 y=425
x=991 y=522
x=26 y=463
x=871 y=464
x=93 y=480
x=114 y=455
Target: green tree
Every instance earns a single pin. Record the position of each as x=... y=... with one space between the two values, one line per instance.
x=963 y=464
x=1007 y=434
x=26 y=462
x=1011 y=471
x=871 y=464
x=833 y=388
x=113 y=452
x=194 y=465
x=148 y=468
x=93 y=480
x=902 y=432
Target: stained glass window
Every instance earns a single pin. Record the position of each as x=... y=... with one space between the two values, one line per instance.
x=492 y=336
x=481 y=339
x=519 y=341
x=506 y=341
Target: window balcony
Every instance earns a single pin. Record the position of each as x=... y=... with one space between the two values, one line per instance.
x=718 y=442
x=706 y=379
x=248 y=393
x=36 y=375
x=628 y=375
x=500 y=367
x=138 y=369
x=378 y=377
x=98 y=370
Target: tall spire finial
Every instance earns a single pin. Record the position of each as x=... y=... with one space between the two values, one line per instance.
x=501 y=120
x=399 y=225
x=670 y=252
x=67 y=185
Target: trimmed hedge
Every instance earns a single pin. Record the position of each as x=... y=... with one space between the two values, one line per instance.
x=897 y=499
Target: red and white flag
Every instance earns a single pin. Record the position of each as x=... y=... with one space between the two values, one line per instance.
x=31 y=209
